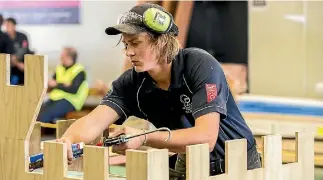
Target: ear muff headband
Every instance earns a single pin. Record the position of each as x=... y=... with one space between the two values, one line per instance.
x=157 y=20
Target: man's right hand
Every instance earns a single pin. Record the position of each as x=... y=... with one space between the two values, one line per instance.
x=69 y=148
x=52 y=83
x=14 y=60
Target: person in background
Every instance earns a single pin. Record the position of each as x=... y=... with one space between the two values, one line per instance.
x=21 y=47
x=68 y=88
x=6 y=45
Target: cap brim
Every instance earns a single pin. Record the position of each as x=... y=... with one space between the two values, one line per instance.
x=123 y=28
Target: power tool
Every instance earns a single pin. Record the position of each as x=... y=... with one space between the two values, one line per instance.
x=125 y=138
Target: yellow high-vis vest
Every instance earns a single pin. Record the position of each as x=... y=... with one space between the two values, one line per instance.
x=67 y=76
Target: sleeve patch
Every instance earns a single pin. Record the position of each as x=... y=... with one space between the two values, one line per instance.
x=24 y=44
x=211 y=92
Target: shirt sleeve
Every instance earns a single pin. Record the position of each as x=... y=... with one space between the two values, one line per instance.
x=9 y=47
x=209 y=86
x=121 y=96
x=77 y=82
x=23 y=46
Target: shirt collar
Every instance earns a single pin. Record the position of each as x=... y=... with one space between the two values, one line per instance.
x=177 y=71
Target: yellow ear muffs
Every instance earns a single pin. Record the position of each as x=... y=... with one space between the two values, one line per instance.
x=157 y=20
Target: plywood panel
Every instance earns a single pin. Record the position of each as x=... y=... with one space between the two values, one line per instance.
x=55 y=161
x=34 y=143
x=18 y=111
x=197 y=166
x=97 y=163
x=22 y=101
x=151 y=165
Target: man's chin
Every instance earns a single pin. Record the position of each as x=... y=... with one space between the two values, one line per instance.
x=138 y=69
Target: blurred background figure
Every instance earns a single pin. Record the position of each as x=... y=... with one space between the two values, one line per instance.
x=68 y=88
x=6 y=45
x=21 y=47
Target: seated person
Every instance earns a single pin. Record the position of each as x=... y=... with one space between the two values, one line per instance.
x=100 y=88
x=21 y=47
x=68 y=88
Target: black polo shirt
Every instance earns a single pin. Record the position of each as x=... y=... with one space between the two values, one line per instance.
x=21 y=45
x=6 y=45
x=198 y=86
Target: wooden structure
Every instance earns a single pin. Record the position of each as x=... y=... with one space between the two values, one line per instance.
x=286 y=125
x=19 y=108
x=264 y=120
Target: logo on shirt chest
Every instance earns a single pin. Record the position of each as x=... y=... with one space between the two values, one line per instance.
x=187 y=104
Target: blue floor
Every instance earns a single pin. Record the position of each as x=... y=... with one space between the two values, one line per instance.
x=264 y=107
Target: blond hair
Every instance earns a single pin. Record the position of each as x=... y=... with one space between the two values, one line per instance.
x=166 y=46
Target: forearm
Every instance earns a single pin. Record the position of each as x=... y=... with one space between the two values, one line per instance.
x=20 y=53
x=81 y=131
x=72 y=88
x=180 y=139
x=89 y=127
x=69 y=89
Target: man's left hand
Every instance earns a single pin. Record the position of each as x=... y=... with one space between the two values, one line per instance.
x=20 y=66
x=133 y=143
x=67 y=84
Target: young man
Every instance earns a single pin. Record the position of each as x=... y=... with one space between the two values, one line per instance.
x=182 y=89
x=68 y=88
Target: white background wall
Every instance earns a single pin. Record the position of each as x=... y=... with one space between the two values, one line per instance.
x=97 y=51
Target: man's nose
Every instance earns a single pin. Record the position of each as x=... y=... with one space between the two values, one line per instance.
x=130 y=52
